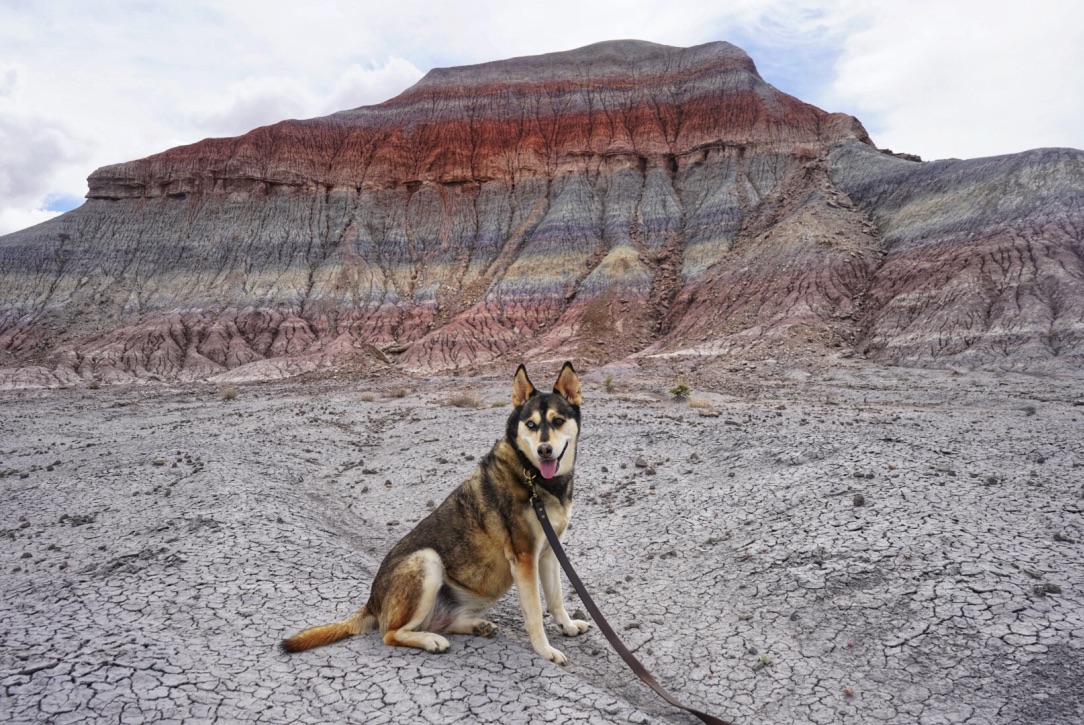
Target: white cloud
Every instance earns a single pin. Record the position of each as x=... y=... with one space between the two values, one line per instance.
x=363 y=86
x=967 y=78
x=251 y=103
x=12 y=219
x=35 y=152
x=9 y=81
x=255 y=102
x=33 y=148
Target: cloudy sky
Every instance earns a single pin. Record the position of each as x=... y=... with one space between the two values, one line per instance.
x=85 y=83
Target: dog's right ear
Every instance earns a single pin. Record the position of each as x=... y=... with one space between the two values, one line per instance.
x=521 y=387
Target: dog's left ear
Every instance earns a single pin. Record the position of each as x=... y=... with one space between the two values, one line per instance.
x=568 y=385
x=521 y=387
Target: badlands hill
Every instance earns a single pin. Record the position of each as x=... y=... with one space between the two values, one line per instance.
x=623 y=199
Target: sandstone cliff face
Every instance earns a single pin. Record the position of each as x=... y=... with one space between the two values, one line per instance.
x=621 y=199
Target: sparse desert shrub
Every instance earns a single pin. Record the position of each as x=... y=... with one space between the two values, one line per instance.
x=609 y=384
x=95 y=384
x=399 y=393
x=498 y=404
x=229 y=393
x=466 y=399
x=368 y=397
x=681 y=390
x=699 y=403
x=1030 y=409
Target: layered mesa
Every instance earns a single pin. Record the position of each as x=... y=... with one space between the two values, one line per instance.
x=621 y=199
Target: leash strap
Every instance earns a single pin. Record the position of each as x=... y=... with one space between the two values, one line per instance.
x=634 y=664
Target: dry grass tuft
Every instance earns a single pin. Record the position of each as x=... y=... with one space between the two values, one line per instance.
x=466 y=399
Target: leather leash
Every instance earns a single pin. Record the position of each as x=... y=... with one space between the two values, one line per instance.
x=634 y=664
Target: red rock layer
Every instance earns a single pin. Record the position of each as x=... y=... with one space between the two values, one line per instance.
x=499 y=121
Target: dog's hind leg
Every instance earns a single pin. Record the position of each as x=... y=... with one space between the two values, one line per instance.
x=408 y=606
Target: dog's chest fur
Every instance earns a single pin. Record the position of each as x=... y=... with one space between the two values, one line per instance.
x=484 y=525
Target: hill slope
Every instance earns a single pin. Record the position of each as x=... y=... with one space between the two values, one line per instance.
x=625 y=198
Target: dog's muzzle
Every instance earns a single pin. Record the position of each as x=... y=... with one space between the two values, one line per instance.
x=547 y=463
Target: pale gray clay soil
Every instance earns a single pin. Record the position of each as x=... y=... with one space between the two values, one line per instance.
x=841 y=545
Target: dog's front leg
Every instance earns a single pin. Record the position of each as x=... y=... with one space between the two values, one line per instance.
x=555 y=600
x=525 y=575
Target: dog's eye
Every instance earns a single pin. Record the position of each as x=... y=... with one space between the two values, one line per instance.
x=557 y=422
x=531 y=425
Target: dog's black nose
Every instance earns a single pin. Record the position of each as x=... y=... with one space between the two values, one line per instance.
x=545 y=450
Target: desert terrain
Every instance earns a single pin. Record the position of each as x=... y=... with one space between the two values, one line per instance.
x=841 y=543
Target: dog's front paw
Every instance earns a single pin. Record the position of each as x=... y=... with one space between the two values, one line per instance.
x=575 y=627
x=435 y=643
x=554 y=655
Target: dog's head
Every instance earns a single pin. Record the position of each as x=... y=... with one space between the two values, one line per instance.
x=544 y=426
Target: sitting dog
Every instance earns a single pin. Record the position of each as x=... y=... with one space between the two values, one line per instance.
x=464 y=556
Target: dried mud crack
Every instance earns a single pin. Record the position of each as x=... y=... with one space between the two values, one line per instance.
x=846 y=545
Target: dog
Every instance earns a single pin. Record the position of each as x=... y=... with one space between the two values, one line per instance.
x=464 y=556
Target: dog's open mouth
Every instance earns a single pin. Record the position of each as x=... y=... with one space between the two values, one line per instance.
x=548 y=466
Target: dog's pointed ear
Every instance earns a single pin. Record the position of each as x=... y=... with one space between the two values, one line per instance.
x=568 y=385
x=521 y=387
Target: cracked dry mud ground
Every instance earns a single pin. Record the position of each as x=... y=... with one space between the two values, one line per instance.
x=735 y=561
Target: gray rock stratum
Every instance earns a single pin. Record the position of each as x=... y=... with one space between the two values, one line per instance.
x=157 y=542
x=623 y=199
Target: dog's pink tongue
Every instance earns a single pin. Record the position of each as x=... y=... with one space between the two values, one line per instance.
x=548 y=469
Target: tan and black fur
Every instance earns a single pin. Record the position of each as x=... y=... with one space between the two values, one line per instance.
x=484 y=537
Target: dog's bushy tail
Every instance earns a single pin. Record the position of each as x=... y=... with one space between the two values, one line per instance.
x=359 y=623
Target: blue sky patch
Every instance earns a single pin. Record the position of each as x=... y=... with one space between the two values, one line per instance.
x=62 y=202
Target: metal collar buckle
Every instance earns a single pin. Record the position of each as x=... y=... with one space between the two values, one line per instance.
x=536 y=500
